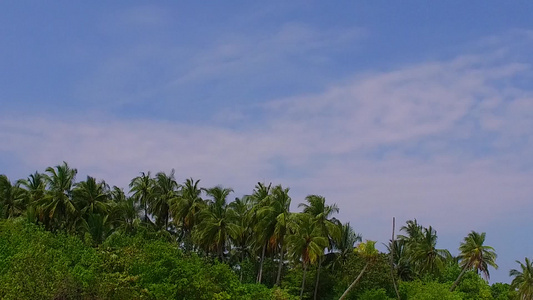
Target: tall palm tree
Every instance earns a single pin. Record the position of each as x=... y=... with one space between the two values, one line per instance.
x=214 y=229
x=475 y=255
x=35 y=186
x=187 y=206
x=366 y=250
x=263 y=230
x=414 y=232
x=401 y=260
x=241 y=223
x=124 y=211
x=58 y=202
x=92 y=197
x=141 y=188
x=523 y=279
x=273 y=218
x=329 y=226
x=306 y=242
x=165 y=192
x=426 y=257
x=345 y=244
x=12 y=198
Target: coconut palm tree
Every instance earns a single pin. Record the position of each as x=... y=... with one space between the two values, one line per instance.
x=141 y=188
x=273 y=217
x=165 y=192
x=58 y=202
x=306 y=242
x=214 y=229
x=91 y=197
x=263 y=228
x=366 y=250
x=329 y=227
x=345 y=244
x=241 y=223
x=124 y=211
x=426 y=257
x=523 y=279
x=414 y=232
x=35 y=186
x=12 y=198
x=186 y=208
x=401 y=260
x=475 y=255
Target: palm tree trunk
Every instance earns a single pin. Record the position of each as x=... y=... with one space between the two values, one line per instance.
x=145 y=212
x=242 y=261
x=259 y=276
x=317 y=276
x=280 y=264
x=392 y=259
x=303 y=282
x=454 y=285
x=354 y=282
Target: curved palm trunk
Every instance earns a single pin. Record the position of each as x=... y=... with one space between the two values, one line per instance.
x=260 y=275
x=354 y=282
x=317 y=277
x=280 y=264
x=303 y=282
x=454 y=285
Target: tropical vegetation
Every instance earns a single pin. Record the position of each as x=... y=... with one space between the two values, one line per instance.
x=164 y=238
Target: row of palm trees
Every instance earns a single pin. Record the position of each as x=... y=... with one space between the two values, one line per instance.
x=253 y=227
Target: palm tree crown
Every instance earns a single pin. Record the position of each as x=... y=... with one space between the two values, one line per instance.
x=523 y=279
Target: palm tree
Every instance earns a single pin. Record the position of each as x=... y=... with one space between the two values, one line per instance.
x=141 y=187
x=91 y=197
x=345 y=244
x=58 y=202
x=475 y=255
x=35 y=187
x=263 y=230
x=401 y=260
x=12 y=198
x=124 y=211
x=426 y=257
x=329 y=227
x=306 y=242
x=274 y=215
x=165 y=192
x=241 y=223
x=414 y=232
x=523 y=280
x=366 y=250
x=214 y=228
x=187 y=206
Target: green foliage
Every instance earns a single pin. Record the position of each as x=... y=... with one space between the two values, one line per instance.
x=523 y=279
x=37 y=264
x=40 y=265
x=375 y=294
x=377 y=276
x=64 y=239
x=474 y=287
x=502 y=291
x=418 y=290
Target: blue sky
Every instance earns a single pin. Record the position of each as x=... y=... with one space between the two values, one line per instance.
x=410 y=109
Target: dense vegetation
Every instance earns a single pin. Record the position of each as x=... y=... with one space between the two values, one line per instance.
x=67 y=239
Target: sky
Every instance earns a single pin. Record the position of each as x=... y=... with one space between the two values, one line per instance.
x=405 y=109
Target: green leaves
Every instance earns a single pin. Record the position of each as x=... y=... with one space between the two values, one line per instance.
x=523 y=279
